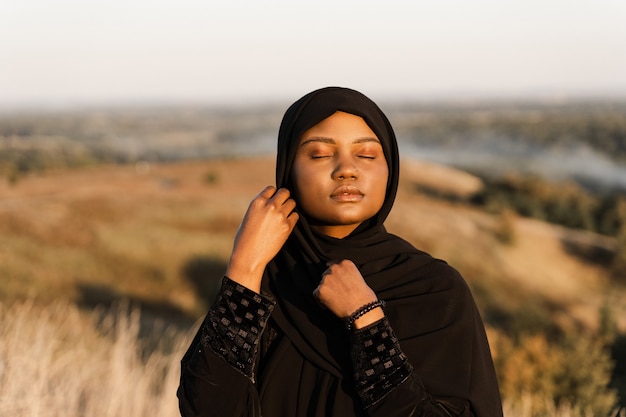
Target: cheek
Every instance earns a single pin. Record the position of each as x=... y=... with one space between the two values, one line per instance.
x=382 y=178
x=302 y=180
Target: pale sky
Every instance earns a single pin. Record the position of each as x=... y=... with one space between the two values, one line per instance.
x=236 y=51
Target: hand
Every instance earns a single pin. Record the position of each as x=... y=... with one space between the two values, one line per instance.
x=264 y=230
x=343 y=291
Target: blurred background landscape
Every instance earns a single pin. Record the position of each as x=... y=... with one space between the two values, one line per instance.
x=133 y=137
x=114 y=213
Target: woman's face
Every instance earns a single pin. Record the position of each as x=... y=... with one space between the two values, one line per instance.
x=340 y=174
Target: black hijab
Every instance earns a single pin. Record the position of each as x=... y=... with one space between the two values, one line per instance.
x=428 y=304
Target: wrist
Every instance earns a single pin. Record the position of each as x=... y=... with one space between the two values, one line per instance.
x=242 y=274
x=369 y=318
x=366 y=315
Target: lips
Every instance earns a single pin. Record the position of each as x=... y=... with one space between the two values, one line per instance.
x=347 y=194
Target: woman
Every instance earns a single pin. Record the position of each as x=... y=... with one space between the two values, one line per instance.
x=324 y=313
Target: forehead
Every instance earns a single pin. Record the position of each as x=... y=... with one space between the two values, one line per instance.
x=340 y=125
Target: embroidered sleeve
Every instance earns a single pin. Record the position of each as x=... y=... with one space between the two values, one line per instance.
x=235 y=323
x=379 y=363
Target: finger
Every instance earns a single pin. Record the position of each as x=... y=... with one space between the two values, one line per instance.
x=281 y=196
x=268 y=192
x=327 y=271
x=316 y=293
x=318 y=301
x=292 y=219
x=288 y=206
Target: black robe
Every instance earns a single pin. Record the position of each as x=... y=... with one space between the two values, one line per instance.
x=308 y=368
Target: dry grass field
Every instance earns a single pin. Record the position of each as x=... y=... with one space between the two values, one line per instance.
x=75 y=243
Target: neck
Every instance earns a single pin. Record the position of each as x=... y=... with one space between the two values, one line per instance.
x=338 y=232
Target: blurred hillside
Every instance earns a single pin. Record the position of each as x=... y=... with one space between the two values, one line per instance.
x=144 y=231
x=142 y=205
x=159 y=236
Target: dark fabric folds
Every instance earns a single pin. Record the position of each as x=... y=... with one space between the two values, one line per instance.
x=236 y=325
x=306 y=360
x=429 y=305
x=379 y=362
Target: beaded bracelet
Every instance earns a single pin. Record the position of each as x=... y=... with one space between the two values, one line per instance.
x=361 y=311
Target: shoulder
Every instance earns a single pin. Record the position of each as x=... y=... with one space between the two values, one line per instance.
x=397 y=269
x=433 y=297
x=426 y=267
x=426 y=259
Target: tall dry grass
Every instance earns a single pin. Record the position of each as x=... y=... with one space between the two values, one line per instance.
x=59 y=361
x=529 y=403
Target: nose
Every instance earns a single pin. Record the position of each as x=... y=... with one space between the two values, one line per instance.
x=345 y=169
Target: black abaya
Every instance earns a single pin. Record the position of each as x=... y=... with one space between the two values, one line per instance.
x=305 y=363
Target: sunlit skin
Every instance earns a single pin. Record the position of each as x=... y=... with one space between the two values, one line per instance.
x=340 y=174
x=340 y=179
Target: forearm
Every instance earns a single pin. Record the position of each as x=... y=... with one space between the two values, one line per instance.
x=235 y=324
x=217 y=375
x=211 y=387
x=386 y=382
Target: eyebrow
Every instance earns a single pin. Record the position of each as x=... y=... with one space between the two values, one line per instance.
x=331 y=141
